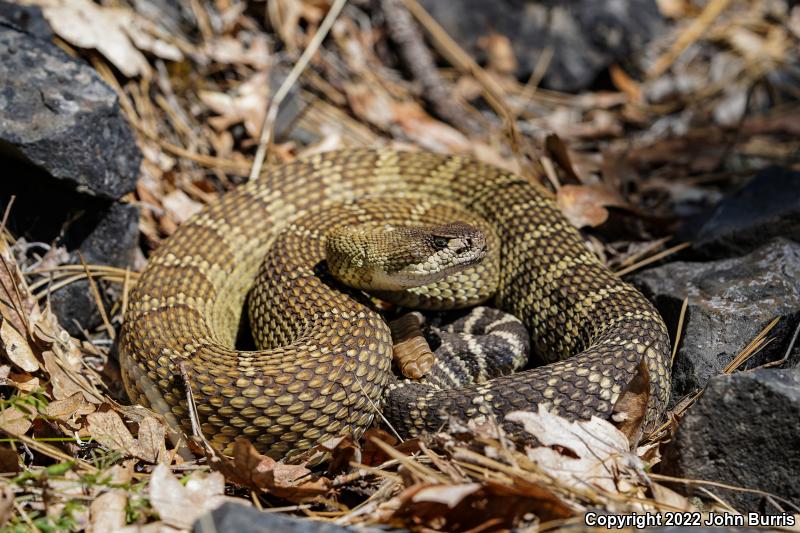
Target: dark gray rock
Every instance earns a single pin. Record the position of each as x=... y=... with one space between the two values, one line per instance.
x=743 y=431
x=25 y=18
x=58 y=114
x=767 y=206
x=586 y=36
x=112 y=242
x=235 y=517
x=730 y=302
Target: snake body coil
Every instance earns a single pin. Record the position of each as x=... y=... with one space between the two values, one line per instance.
x=324 y=357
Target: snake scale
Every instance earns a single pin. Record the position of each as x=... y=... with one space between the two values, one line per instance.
x=324 y=363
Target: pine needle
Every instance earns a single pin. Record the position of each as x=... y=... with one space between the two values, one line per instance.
x=653 y=259
x=679 y=330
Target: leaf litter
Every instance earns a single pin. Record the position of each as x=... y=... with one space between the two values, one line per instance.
x=620 y=163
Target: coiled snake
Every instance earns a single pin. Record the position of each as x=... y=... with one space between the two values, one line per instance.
x=324 y=367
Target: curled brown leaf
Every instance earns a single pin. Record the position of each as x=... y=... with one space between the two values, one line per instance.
x=585 y=205
x=293 y=482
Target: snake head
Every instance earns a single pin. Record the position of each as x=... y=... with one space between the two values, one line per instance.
x=397 y=257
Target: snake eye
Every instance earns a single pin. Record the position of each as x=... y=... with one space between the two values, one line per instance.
x=440 y=242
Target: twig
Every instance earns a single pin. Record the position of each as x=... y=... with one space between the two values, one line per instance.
x=194 y=417
x=689 y=35
x=98 y=299
x=492 y=91
x=265 y=137
x=126 y=287
x=417 y=58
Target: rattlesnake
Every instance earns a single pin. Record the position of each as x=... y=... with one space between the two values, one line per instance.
x=325 y=369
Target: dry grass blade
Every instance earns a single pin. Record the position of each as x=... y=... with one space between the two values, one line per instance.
x=415 y=466
x=752 y=348
x=492 y=91
x=56 y=278
x=652 y=259
x=711 y=11
x=265 y=138
x=788 y=351
x=98 y=300
x=679 y=330
x=650 y=248
x=52 y=452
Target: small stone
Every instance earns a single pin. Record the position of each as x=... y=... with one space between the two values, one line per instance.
x=744 y=432
x=234 y=517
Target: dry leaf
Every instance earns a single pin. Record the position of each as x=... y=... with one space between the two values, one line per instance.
x=107 y=511
x=108 y=429
x=116 y=32
x=64 y=383
x=558 y=152
x=6 y=502
x=499 y=52
x=450 y=495
x=372 y=454
x=68 y=409
x=428 y=132
x=24 y=381
x=671 y=499
x=16 y=304
x=179 y=206
x=585 y=205
x=371 y=105
x=88 y=25
x=151 y=440
x=14 y=421
x=342 y=450
x=17 y=348
x=61 y=490
x=179 y=505
x=232 y=51
x=486 y=506
x=246 y=103
x=581 y=453
x=292 y=482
